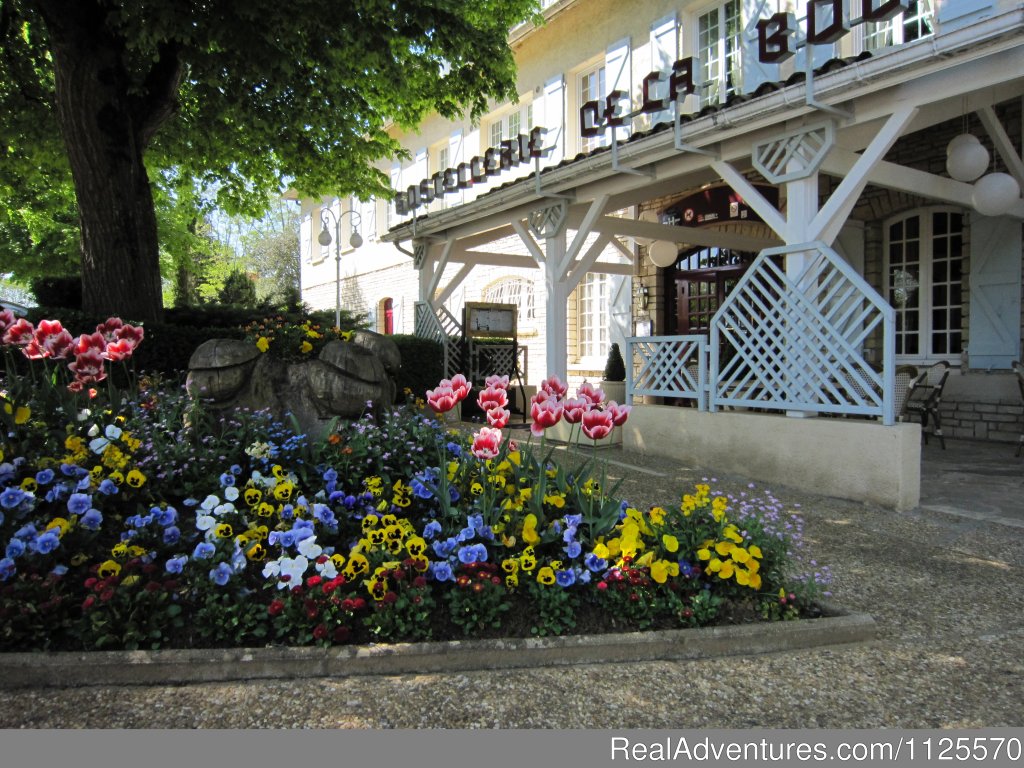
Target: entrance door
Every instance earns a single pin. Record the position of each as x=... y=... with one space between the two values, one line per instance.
x=701 y=280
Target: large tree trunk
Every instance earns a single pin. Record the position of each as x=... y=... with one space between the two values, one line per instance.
x=105 y=132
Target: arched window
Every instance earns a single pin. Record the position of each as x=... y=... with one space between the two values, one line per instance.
x=386 y=316
x=924 y=260
x=518 y=291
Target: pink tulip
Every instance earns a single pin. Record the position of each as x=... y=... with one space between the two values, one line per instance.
x=50 y=340
x=498 y=417
x=619 y=413
x=554 y=386
x=118 y=350
x=20 y=333
x=498 y=382
x=492 y=397
x=459 y=386
x=597 y=423
x=594 y=395
x=442 y=399
x=545 y=411
x=486 y=443
x=575 y=407
x=90 y=341
x=88 y=366
x=130 y=334
x=108 y=329
x=6 y=320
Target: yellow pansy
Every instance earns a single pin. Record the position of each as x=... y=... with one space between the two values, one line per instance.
x=739 y=555
x=723 y=548
x=134 y=551
x=657 y=515
x=755 y=551
x=119 y=550
x=601 y=551
x=135 y=479
x=305 y=347
x=256 y=552
x=224 y=531
x=21 y=414
x=546 y=576
x=130 y=581
x=726 y=570
x=755 y=581
x=29 y=485
x=530 y=529
x=283 y=491
x=262 y=343
x=61 y=524
x=511 y=565
x=108 y=568
x=671 y=543
x=512 y=581
x=743 y=577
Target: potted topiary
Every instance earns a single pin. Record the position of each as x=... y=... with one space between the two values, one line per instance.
x=614 y=382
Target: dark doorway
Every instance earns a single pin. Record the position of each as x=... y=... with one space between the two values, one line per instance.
x=699 y=282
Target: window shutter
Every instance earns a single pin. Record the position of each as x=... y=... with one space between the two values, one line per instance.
x=553 y=119
x=755 y=73
x=456 y=155
x=995 y=285
x=308 y=254
x=392 y=216
x=664 y=52
x=619 y=76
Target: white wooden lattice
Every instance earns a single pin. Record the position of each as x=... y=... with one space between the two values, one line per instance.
x=794 y=155
x=667 y=366
x=548 y=221
x=442 y=327
x=795 y=342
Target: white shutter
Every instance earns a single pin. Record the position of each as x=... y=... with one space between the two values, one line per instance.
x=470 y=149
x=368 y=219
x=755 y=73
x=619 y=77
x=553 y=119
x=392 y=216
x=308 y=254
x=664 y=52
x=456 y=155
x=995 y=292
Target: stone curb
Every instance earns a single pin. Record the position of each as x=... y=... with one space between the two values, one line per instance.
x=62 y=670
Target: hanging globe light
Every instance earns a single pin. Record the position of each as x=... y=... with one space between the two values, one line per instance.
x=995 y=193
x=663 y=254
x=966 y=158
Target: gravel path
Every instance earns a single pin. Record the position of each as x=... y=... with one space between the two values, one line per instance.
x=947 y=594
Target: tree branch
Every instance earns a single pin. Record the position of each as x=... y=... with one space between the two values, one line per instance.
x=159 y=99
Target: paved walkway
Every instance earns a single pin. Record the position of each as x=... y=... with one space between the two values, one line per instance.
x=973 y=479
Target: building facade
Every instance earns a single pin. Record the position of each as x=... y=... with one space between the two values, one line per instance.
x=660 y=151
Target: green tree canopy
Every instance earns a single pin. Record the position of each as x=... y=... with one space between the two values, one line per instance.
x=234 y=95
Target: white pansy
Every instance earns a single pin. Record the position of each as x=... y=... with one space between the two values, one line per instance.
x=205 y=522
x=224 y=509
x=210 y=502
x=99 y=444
x=231 y=493
x=309 y=548
x=294 y=569
x=327 y=569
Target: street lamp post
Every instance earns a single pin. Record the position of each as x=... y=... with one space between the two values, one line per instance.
x=325 y=238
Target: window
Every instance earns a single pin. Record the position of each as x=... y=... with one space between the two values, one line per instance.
x=511 y=124
x=518 y=291
x=593 y=302
x=916 y=22
x=719 y=43
x=593 y=87
x=924 y=271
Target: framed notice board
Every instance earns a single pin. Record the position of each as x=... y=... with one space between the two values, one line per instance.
x=491 y=320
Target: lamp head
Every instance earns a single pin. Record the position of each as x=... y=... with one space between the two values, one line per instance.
x=324 y=238
x=356 y=240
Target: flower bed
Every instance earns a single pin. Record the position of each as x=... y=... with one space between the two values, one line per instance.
x=123 y=528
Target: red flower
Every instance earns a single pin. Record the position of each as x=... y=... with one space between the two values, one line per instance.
x=90 y=341
x=275 y=607
x=107 y=595
x=390 y=598
x=419 y=581
x=117 y=351
x=313 y=581
x=88 y=367
x=546 y=411
x=320 y=632
x=88 y=603
x=574 y=408
x=597 y=423
x=90 y=582
x=459 y=386
x=619 y=413
x=109 y=328
x=358 y=604
x=442 y=399
x=486 y=443
x=19 y=333
x=590 y=393
x=6 y=320
x=553 y=387
x=131 y=335
x=498 y=417
x=348 y=604
x=341 y=634
x=492 y=397
x=602 y=585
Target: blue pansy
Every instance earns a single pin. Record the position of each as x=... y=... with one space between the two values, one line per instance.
x=79 y=503
x=466 y=534
x=235 y=469
x=59 y=570
x=573 y=550
x=227 y=479
x=441 y=571
x=175 y=564
x=26 y=532
x=12 y=497
x=6 y=472
x=221 y=574
x=331 y=476
x=476 y=522
x=443 y=548
x=45 y=476
x=565 y=578
x=91 y=520
x=431 y=529
x=15 y=548
x=165 y=517
x=204 y=550
x=108 y=487
x=84 y=484
x=595 y=563
x=455 y=449
x=172 y=534
x=47 y=542
x=7 y=569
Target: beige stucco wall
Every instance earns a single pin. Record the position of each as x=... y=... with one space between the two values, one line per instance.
x=845 y=458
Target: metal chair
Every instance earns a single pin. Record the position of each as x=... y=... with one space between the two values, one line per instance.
x=1018 y=369
x=926 y=395
x=905 y=376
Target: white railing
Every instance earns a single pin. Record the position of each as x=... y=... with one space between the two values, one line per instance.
x=667 y=366
x=780 y=342
x=442 y=327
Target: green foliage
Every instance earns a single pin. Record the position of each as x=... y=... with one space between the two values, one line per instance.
x=422 y=364
x=58 y=291
x=554 y=609
x=239 y=290
x=615 y=368
x=479 y=602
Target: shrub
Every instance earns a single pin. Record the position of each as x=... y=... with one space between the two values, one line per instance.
x=615 y=368
x=58 y=291
x=239 y=290
x=422 y=363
